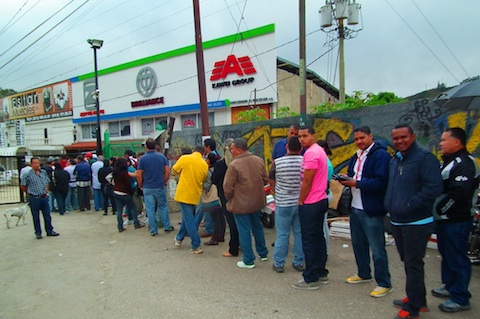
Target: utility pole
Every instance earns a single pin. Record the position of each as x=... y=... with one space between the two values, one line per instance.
x=340 y=10
x=202 y=90
x=302 y=65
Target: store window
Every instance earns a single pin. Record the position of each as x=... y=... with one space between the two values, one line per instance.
x=150 y=124
x=191 y=121
x=119 y=128
x=89 y=131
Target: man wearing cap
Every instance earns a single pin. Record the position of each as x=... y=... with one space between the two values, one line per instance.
x=35 y=183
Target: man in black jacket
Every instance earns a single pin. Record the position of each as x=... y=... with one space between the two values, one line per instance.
x=414 y=182
x=454 y=219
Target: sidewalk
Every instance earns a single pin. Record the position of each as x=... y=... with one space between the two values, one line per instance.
x=92 y=271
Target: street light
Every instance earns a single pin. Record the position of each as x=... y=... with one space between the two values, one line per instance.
x=95 y=45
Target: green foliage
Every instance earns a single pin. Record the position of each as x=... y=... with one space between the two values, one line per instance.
x=252 y=115
x=359 y=99
x=284 y=111
x=6 y=92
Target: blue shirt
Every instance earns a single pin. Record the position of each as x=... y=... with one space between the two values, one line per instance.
x=153 y=164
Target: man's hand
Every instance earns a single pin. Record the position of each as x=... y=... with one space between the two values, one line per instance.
x=349 y=183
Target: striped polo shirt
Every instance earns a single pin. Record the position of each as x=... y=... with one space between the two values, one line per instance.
x=287 y=180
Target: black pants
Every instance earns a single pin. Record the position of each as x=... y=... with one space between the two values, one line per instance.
x=84 y=194
x=411 y=242
x=234 y=241
x=107 y=192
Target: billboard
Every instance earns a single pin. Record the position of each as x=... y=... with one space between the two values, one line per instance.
x=48 y=102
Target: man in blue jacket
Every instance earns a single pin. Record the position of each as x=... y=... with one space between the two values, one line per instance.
x=453 y=216
x=414 y=182
x=368 y=172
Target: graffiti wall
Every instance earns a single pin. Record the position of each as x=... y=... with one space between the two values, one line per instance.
x=427 y=119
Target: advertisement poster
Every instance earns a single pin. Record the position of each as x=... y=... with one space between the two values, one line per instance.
x=53 y=101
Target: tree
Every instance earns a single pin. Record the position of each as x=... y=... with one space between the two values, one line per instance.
x=6 y=92
x=359 y=99
x=252 y=115
x=284 y=111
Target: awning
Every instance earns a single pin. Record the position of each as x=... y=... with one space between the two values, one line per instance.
x=13 y=151
x=82 y=146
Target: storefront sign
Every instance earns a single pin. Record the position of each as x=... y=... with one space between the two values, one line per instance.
x=146 y=81
x=91 y=113
x=241 y=67
x=43 y=103
x=157 y=100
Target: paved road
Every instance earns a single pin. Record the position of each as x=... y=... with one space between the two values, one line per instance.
x=92 y=271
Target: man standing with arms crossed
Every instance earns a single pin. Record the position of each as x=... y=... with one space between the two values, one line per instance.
x=313 y=205
x=243 y=188
x=368 y=172
x=152 y=176
x=414 y=182
x=454 y=219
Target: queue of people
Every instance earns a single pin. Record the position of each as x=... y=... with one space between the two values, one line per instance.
x=420 y=196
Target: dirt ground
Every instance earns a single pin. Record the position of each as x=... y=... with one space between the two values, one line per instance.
x=92 y=271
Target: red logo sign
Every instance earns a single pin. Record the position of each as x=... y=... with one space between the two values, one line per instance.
x=241 y=66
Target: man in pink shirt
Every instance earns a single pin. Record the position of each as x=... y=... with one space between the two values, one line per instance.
x=313 y=205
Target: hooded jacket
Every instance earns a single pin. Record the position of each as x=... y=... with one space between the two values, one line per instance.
x=414 y=182
x=373 y=184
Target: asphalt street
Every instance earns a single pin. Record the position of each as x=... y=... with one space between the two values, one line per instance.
x=92 y=271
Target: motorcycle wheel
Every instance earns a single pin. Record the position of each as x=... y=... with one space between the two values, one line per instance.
x=268 y=220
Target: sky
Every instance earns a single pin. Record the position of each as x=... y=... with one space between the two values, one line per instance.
x=400 y=46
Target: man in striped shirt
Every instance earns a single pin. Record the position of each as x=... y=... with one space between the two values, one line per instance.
x=285 y=177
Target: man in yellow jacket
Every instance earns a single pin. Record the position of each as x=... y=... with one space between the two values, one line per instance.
x=192 y=170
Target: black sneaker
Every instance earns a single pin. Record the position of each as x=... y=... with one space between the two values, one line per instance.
x=278 y=269
x=171 y=228
x=299 y=267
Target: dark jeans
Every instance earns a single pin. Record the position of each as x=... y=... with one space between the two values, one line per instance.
x=234 y=241
x=60 y=198
x=127 y=202
x=312 y=217
x=411 y=242
x=107 y=191
x=368 y=233
x=218 y=221
x=37 y=205
x=456 y=267
x=83 y=198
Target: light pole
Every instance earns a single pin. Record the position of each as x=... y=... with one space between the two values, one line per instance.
x=95 y=45
x=340 y=10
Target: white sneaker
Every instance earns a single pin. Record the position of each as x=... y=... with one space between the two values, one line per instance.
x=128 y=222
x=145 y=220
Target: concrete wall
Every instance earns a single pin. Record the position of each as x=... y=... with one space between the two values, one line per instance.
x=426 y=118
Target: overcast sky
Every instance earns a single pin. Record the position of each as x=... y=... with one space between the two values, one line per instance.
x=405 y=46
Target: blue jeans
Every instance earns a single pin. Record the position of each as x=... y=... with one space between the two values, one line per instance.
x=37 y=205
x=188 y=225
x=368 y=233
x=125 y=201
x=71 y=200
x=286 y=218
x=456 y=267
x=248 y=224
x=97 y=199
x=51 y=201
x=411 y=242
x=312 y=217
x=156 y=197
x=60 y=198
x=208 y=219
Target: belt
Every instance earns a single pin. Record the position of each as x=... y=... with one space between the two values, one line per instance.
x=38 y=196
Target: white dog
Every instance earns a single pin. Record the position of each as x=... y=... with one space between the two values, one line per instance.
x=19 y=212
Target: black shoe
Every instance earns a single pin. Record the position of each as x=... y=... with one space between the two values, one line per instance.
x=53 y=234
x=170 y=229
x=121 y=230
x=105 y=214
x=299 y=267
x=278 y=269
x=38 y=236
x=139 y=226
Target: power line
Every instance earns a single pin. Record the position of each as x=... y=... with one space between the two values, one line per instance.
x=421 y=40
x=7 y=26
x=43 y=35
x=441 y=39
x=45 y=21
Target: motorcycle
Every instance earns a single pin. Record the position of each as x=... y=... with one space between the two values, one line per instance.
x=474 y=243
x=268 y=212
